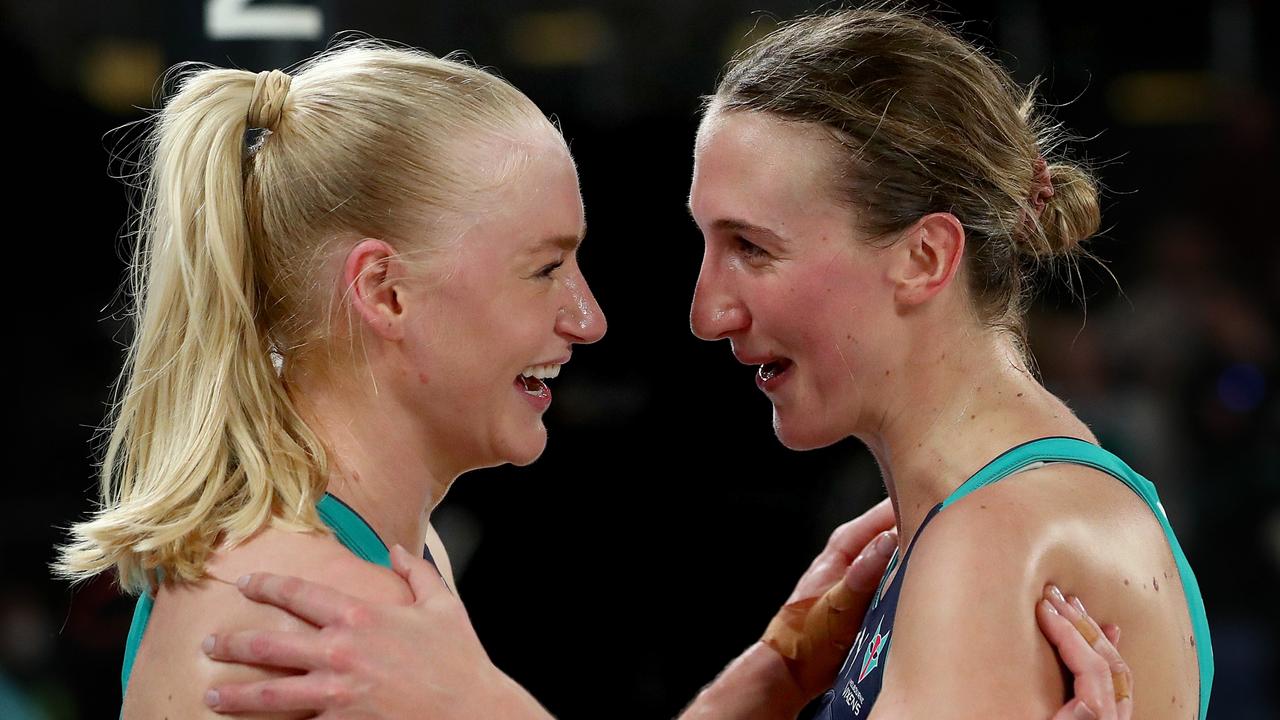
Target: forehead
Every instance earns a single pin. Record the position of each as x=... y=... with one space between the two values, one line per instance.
x=531 y=193
x=762 y=169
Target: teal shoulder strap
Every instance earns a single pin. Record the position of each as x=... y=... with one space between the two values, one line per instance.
x=353 y=532
x=141 y=614
x=350 y=529
x=1079 y=452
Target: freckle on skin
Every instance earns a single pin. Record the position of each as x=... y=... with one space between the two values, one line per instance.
x=422 y=378
x=1019 y=394
x=1126 y=581
x=973 y=417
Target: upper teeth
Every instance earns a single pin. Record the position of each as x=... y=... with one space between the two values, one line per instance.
x=541 y=371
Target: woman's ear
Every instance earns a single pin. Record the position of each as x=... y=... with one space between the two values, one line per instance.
x=368 y=276
x=928 y=256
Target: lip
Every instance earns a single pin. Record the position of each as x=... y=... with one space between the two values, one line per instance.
x=755 y=359
x=775 y=382
x=539 y=402
x=557 y=361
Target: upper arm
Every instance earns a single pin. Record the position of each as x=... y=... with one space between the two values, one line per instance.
x=441 y=556
x=966 y=643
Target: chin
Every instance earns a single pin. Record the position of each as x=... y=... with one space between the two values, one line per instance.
x=802 y=434
x=527 y=446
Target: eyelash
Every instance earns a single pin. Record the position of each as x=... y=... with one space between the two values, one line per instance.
x=749 y=249
x=547 y=271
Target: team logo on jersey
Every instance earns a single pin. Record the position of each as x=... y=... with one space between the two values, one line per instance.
x=871 y=660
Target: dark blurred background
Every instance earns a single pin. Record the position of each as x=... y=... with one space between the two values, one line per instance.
x=664 y=524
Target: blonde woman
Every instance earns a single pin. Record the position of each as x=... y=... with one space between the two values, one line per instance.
x=336 y=316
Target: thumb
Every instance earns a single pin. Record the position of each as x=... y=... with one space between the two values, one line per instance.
x=838 y=613
x=865 y=572
x=423 y=578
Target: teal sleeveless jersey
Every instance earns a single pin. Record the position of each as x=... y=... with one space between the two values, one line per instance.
x=348 y=527
x=858 y=684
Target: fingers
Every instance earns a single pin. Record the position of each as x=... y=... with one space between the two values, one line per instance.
x=293 y=650
x=1121 y=677
x=833 y=618
x=1103 y=681
x=850 y=538
x=423 y=577
x=318 y=604
x=864 y=574
x=846 y=602
x=313 y=691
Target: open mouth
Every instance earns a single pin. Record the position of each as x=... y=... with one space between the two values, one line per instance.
x=532 y=381
x=533 y=386
x=771 y=370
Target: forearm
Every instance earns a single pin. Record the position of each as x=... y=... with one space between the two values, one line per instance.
x=755 y=686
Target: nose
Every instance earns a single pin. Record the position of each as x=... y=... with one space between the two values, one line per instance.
x=716 y=311
x=580 y=319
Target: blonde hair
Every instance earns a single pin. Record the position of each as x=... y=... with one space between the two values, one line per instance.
x=924 y=122
x=205 y=444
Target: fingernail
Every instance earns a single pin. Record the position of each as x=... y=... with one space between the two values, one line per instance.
x=1082 y=712
x=1075 y=602
x=886 y=542
x=1056 y=593
x=1049 y=606
x=242 y=582
x=207 y=645
x=211 y=698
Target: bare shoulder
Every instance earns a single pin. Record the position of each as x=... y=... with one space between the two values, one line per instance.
x=171 y=673
x=966 y=613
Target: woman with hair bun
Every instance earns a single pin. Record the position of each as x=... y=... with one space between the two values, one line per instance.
x=334 y=320
x=876 y=196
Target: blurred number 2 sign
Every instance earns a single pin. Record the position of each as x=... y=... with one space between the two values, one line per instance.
x=242 y=20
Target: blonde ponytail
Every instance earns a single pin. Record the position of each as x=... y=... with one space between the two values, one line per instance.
x=203 y=427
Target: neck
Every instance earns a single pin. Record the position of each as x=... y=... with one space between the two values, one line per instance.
x=962 y=400
x=379 y=464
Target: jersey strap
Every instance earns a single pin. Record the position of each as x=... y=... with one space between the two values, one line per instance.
x=1079 y=452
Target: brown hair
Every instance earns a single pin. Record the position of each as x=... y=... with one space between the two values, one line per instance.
x=926 y=123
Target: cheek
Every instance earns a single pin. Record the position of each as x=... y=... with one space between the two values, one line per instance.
x=834 y=326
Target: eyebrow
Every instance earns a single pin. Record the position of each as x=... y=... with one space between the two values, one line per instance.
x=568 y=243
x=742 y=226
